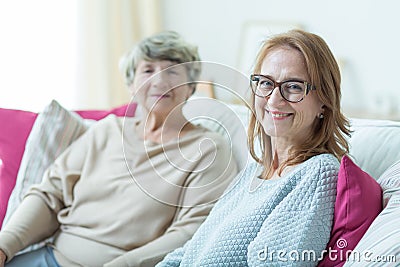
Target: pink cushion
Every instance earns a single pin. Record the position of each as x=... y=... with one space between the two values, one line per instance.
x=358 y=202
x=126 y=110
x=15 y=128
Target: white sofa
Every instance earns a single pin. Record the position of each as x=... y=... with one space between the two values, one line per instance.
x=374 y=146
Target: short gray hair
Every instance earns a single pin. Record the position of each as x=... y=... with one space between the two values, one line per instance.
x=167 y=45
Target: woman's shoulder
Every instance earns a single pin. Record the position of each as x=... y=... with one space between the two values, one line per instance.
x=108 y=127
x=322 y=169
x=324 y=161
x=250 y=172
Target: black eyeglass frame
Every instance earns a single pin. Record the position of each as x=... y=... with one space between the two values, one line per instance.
x=256 y=78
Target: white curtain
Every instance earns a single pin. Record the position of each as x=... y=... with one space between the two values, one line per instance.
x=37 y=52
x=69 y=50
x=107 y=29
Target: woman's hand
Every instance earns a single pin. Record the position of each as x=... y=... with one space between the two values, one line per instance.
x=3 y=258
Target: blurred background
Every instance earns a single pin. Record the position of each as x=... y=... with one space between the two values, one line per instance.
x=69 y=50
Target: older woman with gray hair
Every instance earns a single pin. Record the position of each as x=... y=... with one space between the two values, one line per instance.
x=129 y=203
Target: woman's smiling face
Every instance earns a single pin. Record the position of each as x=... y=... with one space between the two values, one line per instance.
x=160 y=86
x=280 y=118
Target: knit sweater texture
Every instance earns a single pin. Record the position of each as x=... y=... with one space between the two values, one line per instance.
x=281 y=222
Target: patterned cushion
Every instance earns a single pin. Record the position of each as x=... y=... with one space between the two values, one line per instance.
x=390 y=182
x=53 y=131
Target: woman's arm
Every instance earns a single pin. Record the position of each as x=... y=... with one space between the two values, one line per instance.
x=32 y=222
x=36 y=217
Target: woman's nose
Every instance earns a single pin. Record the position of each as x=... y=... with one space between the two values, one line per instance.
x=159 y=80
x=275 y=99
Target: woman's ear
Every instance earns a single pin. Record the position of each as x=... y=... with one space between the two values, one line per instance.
x=320 y=115
x=322 y=109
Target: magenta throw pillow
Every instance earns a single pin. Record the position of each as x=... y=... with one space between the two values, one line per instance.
x=358 y=203
x=125 y=110
x=15 y=128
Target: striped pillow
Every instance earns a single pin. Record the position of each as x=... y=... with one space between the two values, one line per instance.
x=390 y=182
x=53 y=131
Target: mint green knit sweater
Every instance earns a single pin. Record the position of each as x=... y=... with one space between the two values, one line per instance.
x=282 y=222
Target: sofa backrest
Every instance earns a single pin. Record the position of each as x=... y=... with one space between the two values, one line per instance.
x=227 y=119
x=375 y=144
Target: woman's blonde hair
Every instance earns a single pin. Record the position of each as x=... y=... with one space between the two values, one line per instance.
x=329 y=133
x=167 y=45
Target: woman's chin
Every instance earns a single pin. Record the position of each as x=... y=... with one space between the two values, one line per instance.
x=161 y=110
x=275 y=130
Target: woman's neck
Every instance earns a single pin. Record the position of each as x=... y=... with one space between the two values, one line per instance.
x=159 y=129
x=280 y=153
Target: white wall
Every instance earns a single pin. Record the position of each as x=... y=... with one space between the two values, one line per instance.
x=37 y=53
x=363 y=34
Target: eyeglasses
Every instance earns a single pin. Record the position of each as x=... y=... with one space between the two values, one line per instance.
x=292 y=91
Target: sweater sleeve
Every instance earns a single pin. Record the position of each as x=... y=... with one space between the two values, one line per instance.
x=199 y=194
x=174 y=258
x=36 y=217
x=298 y=230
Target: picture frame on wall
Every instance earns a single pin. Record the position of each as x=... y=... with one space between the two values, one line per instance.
x=252 y=35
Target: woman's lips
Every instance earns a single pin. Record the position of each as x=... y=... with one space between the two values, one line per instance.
x=278 y=115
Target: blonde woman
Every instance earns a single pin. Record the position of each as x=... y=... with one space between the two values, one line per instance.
x=282 y=206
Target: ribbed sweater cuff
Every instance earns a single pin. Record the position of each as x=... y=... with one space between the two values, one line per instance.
x=9 y=244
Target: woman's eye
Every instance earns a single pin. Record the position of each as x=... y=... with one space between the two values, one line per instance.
x=265 y=83
x=173 y=72
x=294 y=88
x=146 y=70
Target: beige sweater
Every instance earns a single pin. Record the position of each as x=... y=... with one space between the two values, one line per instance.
x=112 y=198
